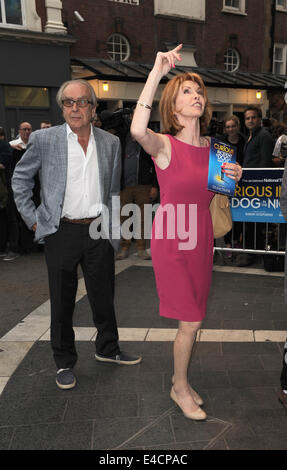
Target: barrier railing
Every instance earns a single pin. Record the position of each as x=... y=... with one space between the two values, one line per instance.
x=257 y=198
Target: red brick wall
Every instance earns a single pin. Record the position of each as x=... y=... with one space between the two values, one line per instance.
x=147 y=33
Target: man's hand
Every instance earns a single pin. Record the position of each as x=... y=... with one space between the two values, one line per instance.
x=34 y=227
x=17 y=147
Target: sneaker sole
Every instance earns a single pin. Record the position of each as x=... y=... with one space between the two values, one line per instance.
x=120 y=363
x=66 y=387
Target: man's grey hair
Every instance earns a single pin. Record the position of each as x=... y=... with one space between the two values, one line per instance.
x=60 y=94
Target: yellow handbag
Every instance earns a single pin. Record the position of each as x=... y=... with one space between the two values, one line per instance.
x=221 y=215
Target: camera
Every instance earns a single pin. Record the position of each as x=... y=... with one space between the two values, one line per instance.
x=118 y=122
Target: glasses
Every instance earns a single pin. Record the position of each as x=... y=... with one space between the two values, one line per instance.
x=81 y=103
x=26 y=129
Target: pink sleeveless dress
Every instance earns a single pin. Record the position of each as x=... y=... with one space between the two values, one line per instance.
x=182 y=234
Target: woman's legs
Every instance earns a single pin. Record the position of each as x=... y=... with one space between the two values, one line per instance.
x=182 y=353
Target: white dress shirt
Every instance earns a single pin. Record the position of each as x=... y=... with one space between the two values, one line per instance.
x=82 y=195
x=18 y=141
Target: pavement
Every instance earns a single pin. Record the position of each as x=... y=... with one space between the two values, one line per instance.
x=236 y=366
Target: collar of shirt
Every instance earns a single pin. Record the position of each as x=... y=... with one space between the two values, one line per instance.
x=70 y=132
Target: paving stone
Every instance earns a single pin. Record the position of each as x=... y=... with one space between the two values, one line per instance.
x=110 y=433
x=268 y=421
x=274 y=441
x=158 y=433
x=257 y=378
x=231 y=362
x=5 y=437
x=101 y=406
x=271 y=362
x=63 y=436
x=260 y=398
x=187 y=430
x=32 y=411
x=244 y=443
x=250 y=348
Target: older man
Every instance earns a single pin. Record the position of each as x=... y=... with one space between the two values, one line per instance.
x=80 y=168
x=21 y=142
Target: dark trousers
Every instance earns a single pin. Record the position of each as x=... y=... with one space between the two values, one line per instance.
x=283 y=378
x=19 y=236
x=140 y=195
x=70 y=246
x=3 y=229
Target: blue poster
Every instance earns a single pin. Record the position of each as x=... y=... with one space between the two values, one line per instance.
x=220 y=153
x=257 y=196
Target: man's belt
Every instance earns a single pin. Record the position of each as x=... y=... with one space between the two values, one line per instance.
x=86 y=221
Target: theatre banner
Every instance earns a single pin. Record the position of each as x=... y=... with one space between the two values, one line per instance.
x=257 y=196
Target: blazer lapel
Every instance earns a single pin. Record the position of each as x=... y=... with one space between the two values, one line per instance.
x=100 y=144
x=62 y=151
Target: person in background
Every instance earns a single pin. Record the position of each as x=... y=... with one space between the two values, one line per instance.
x=233 y=136
x=21 y=142
x=5 y=177
x=182 y=262
x=280 y=149
x=19 y=236
x=257 y=154
x=139 y=186
x=283 y=378
x=45 y=124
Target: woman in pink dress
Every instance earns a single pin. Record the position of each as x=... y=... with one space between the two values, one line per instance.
x=182 y=238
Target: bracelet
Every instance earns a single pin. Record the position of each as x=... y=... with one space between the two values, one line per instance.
x=144 y=105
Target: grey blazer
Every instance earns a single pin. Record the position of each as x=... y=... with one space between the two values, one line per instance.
x=47 y=153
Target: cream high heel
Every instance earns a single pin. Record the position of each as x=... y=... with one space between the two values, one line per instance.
x=198 y=415
x=197 y=398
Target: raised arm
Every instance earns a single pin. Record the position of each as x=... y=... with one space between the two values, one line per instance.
x=154 y=144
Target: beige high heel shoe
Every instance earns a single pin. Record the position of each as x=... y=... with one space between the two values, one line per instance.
x=197 y=398
x=198 y=415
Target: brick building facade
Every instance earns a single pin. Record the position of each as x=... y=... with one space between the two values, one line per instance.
x=51 y=38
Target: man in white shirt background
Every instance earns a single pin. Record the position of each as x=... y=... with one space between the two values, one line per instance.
x=21 y=142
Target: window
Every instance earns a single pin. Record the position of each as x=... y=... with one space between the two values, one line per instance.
x=26 y=96
x=118 y=47
x=281 y=5
x=231 y=60
x=280 y=59
x=191 y=9
x=11 y=13
x=234 y=6
x=232 y=3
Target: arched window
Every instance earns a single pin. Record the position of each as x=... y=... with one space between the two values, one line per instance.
x=118 y=47
x=231 y=60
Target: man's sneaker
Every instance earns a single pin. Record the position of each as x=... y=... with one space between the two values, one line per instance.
x=122 y=359
x=11 y=255
x=65 y=379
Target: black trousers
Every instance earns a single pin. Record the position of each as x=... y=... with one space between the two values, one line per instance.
x=70 y=246
x=283 y=378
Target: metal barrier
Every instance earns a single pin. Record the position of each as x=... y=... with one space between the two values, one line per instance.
x=263 y=237
x=274 y=236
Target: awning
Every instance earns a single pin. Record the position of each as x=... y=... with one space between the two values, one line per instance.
x=135 y=72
